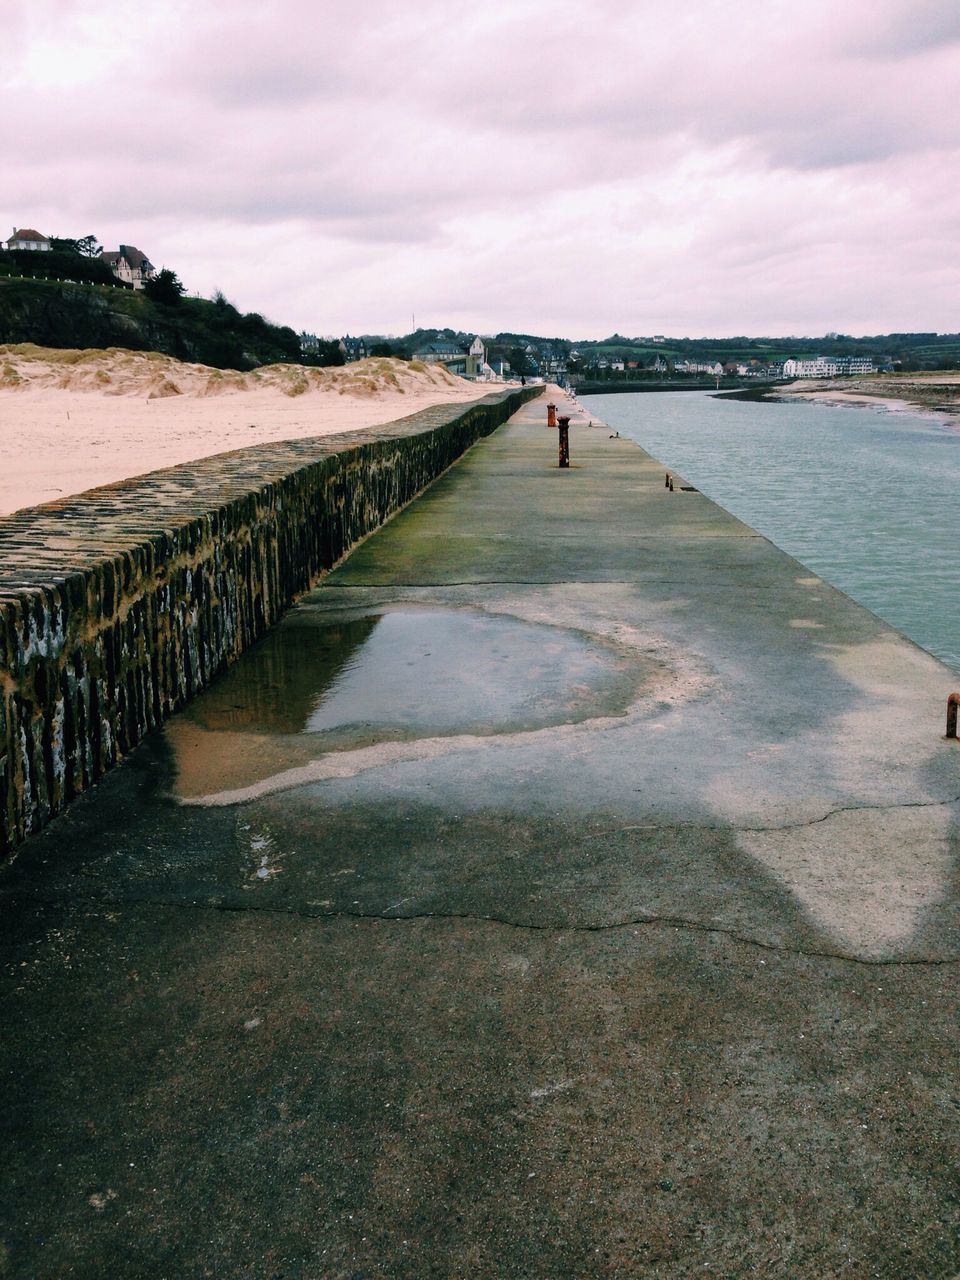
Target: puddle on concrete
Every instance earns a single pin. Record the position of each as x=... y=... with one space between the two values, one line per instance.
x=321 y=684
x=276 y=685
x=415 y=672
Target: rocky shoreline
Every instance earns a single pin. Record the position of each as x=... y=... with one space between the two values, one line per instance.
x=931 y=393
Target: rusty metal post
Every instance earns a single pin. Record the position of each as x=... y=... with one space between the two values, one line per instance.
x=564 y=425
x=551 y=415
x=953 y=702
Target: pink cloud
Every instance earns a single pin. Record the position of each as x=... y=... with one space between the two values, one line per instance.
x=702 y=162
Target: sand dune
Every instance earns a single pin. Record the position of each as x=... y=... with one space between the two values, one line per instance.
x=72 y=420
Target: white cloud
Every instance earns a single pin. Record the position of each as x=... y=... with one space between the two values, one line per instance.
x=699 y=168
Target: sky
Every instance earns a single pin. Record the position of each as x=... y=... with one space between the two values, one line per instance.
x=688 y=168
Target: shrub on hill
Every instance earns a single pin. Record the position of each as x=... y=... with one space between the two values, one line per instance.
x=58 y=264
x=58 y=314
x=165 y=287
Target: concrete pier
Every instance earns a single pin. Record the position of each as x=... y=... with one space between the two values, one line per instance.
x=567 y=887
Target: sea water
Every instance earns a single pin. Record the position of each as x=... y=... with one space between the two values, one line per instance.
x=866 y=497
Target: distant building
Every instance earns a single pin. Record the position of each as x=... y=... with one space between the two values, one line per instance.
x=27 y=238
x=828 y=367
x=468 y=362
x=353 y=349
x=476 y=359
x=309 y=344
x=130 y=265
x=553 y=363
x=449 y=354
x=860 y=364
x=531 y=355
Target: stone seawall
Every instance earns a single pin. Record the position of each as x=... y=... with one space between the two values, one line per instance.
x=119 y=604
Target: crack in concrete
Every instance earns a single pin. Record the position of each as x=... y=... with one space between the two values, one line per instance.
x=787 y=826
x=857 y=808
x=664 y=921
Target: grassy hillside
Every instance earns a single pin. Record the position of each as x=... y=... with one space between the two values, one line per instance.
x=60 y=313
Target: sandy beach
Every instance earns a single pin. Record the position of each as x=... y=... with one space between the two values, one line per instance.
x=937 y=393
x=73 y=420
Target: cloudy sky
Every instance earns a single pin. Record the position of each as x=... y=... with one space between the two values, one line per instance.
x=697 y=167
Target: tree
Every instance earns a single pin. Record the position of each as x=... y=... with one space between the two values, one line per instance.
x=226 y=313
x=88 y=247
x=165 y=288
x=517 y=359
x=328 y=352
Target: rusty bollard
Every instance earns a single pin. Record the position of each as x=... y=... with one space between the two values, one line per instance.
x=564 y=425
x=551 y=415
x=952 y=703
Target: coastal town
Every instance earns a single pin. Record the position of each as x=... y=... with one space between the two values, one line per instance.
x=492 y=357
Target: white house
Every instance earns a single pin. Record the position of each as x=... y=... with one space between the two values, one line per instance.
x=27 y=238
x=129 y=265
x=828 y=367
x=476 y=358
x=860 y=364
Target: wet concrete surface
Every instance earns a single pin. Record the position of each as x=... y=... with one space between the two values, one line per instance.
x=639 y=958
x=350 y=678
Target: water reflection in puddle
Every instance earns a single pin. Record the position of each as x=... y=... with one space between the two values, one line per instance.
x=317 y=686
x=411 y=673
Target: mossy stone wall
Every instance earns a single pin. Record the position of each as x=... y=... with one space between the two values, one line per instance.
x=117 y=605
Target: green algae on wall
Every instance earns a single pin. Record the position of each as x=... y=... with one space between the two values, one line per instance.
x=119 y=604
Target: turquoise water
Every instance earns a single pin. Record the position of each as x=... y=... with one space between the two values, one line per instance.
x=867 y=498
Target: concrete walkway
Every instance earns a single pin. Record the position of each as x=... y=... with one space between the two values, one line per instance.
x=568 y=887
